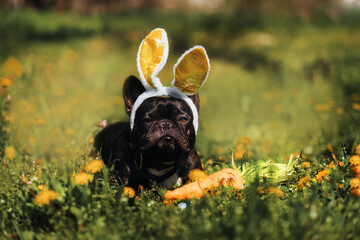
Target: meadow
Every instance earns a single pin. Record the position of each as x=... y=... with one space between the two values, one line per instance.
x=281 y=89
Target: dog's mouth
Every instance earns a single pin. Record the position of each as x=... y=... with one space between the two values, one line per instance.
x=166 y=143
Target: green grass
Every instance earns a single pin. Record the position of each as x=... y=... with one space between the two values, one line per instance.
x=287 y=85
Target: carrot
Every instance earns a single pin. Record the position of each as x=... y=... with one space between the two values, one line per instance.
x=225 y=177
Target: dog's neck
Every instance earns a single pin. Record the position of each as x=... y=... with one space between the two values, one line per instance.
x=169 y=167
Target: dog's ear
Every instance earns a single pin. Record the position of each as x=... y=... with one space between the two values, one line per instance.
x=132 y=88
x=196 y=99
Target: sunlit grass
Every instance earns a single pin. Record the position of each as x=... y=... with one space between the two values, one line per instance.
x=270 y=93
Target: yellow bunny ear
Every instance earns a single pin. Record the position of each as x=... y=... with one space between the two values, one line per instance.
x=191 y=70
x=151 y=57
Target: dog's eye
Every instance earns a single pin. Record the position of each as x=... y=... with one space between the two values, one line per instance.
x=183 y=120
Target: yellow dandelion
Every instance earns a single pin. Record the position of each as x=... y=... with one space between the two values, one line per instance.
x=295 y=155
x=45 y=197
x=356 y=106
x=40 y=161
x=340 y=186
x=5 y=82
x=220 y=150
x=41 y=187
x=239 y=152
x=24 y=179
x=197 y=175
x=303 y=181
x=331 y=165
x=275 y=191
x=91 y=139
x=355 y=170
x=12 y=67
x=340 y=110
x=355 y=192
x=94 y=166
x=340 y=163
x=306 y=165
x=330 y=148
x=10 y=152
x=354 y=183
x=128 y=191
x=244 y=140
x=321 y=175
x=82 y=178
x=357 y=150
x=355 y=160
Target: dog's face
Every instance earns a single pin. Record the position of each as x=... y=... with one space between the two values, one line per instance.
x=163 y=127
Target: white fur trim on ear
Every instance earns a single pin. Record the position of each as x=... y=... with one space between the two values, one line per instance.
x=165 y=91
x=183 y=56
x=156 y=81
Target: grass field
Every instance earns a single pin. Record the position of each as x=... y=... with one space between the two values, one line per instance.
x=278 y=85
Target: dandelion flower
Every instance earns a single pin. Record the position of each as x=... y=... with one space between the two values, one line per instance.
x=357 y=150
x=354 y=183
x=332 y=165
x=45 y=197
x=239 y=152
x=355 y=160
x=340 y=110
x=5 y=82
x=303 y=181
x=12 y=67
x=356 y=106
x=244 y=140
x=82 y=178
x=128 y=191
x=24 y=179
x=41 y=187
x=321 y=175
x=355 y=192
x=306 y=165
x=220 y=150
x=40 y=161
x=275 y=191
x=197 y=175
x=355 y=170
x=10 y=152
x=340 y=163
x=94 y=166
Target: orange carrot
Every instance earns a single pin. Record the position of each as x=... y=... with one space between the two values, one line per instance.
x=225 y=177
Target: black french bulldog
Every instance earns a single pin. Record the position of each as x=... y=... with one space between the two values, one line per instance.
x=160 y=148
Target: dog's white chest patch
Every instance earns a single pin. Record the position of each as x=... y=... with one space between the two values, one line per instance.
x=172 y=181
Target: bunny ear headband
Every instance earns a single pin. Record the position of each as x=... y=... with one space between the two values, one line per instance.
x=190 y=72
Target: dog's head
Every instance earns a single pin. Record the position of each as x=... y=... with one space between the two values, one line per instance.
x=164 y=120
x=163 y=128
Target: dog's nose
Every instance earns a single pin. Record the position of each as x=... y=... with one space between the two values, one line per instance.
x=165 y=126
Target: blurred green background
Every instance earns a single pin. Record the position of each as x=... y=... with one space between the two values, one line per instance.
x=285 y=74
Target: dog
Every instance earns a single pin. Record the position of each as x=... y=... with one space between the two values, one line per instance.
x=161 y=146
x=157 y=145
